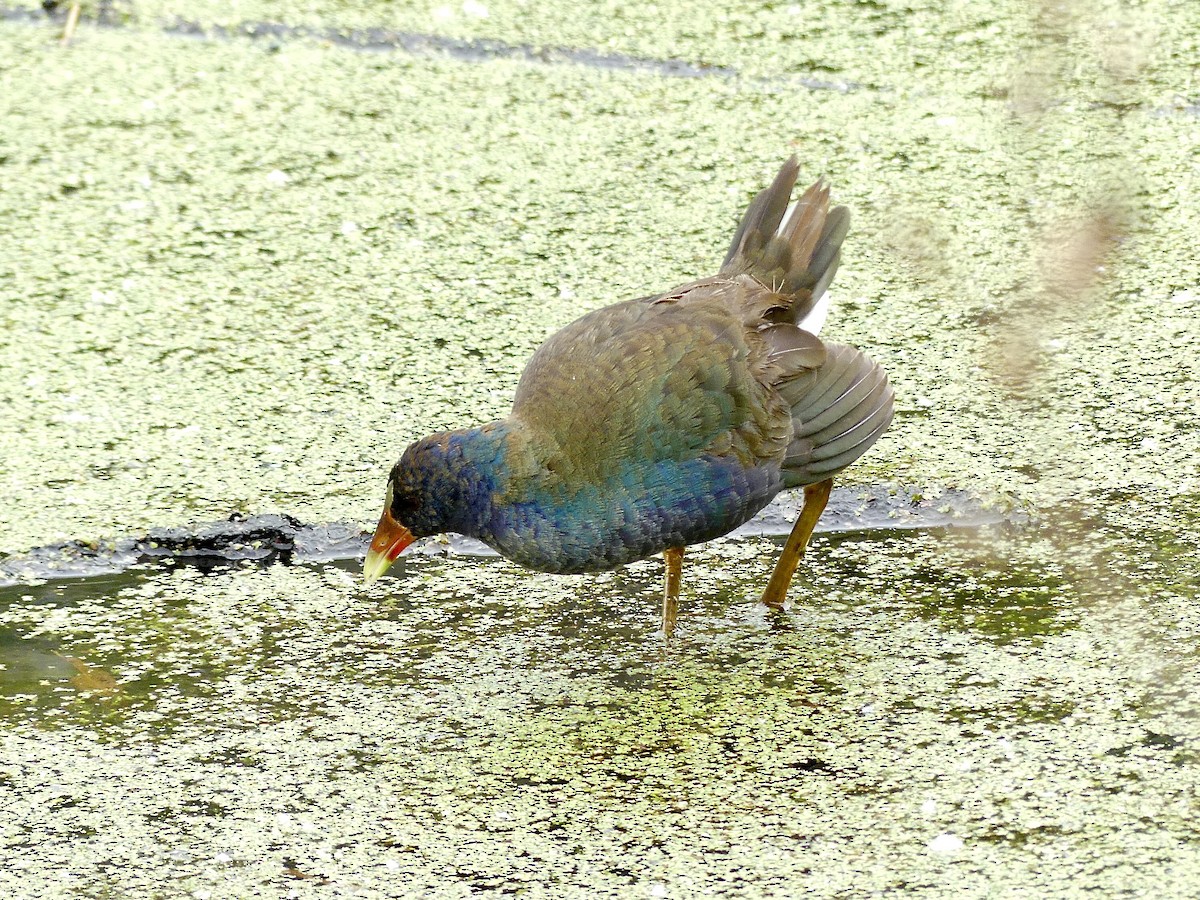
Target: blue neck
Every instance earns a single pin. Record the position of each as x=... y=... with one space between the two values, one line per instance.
x=457 y=474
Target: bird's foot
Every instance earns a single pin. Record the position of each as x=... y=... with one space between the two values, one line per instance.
x=670 y=613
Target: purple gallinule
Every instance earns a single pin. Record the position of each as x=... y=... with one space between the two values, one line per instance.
x=653 y=424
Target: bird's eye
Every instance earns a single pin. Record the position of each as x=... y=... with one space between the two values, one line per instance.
x=402 y=503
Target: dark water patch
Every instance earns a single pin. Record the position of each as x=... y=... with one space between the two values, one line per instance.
x=380 y=39
x=882 y=508
x=263 y=539
x=476 y=50
x=282 y=538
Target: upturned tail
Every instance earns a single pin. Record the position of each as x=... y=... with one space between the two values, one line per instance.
x=840 y=399
x=797 y=256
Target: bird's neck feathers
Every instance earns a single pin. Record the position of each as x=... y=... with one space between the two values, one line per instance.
x=457 y=475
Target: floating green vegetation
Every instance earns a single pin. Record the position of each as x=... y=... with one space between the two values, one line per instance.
x=239 y=275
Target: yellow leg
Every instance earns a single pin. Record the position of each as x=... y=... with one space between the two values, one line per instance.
x=815 y=498
x=673 y=558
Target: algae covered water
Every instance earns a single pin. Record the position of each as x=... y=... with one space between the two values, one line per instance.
x=468 y=727
x=242 y=268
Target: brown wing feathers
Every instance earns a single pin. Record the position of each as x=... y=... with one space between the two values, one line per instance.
x=838 y=411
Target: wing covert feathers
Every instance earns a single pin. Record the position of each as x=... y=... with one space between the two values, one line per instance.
x=838 y=412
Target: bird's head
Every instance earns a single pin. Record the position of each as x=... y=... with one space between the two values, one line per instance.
x=428 y=491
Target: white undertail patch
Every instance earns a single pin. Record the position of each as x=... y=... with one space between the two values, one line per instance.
x=815 y=317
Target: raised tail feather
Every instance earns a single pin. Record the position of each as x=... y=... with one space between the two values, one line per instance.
x=840 y=398
x=795 y=256
x=838 y=411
